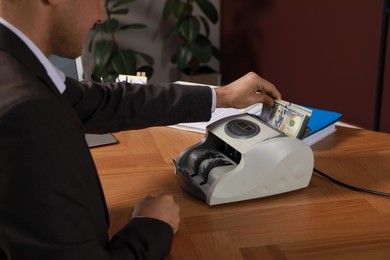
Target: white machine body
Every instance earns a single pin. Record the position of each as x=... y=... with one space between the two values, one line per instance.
x=242 y=158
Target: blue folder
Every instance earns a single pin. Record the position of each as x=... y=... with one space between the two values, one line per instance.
x=320 y=119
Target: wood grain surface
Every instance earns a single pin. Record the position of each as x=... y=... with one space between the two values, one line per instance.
x=322 y=221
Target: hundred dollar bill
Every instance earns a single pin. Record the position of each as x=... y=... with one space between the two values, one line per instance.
x=274 y=115
x=289 y=118
x=294 y=123
x=304 y=110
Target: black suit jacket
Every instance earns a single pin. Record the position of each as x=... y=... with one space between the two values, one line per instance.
x=51 y=202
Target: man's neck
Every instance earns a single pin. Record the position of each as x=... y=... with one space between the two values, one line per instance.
x=30 y=19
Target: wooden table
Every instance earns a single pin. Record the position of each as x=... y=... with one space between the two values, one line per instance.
x=323 y=221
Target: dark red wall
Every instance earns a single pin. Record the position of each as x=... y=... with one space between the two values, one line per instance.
x=320 y=53
x=385 y=111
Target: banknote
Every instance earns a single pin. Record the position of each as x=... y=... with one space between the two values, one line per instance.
x=289 y=118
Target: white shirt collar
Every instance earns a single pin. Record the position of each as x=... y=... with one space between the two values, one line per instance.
x=56 y=75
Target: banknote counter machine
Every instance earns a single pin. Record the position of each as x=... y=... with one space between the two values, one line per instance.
x=242 y=158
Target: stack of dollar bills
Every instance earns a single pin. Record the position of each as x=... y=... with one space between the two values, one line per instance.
x=291 y=119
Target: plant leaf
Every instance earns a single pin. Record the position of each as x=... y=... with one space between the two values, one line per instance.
x=202 y=49
x=124 y=62
x=209 y=10
x=182 y=10
x=133 y=26
x=97 y=72
x=216 y=53
x=183 y=56
x=169 y=6
x=103 y=51
x=110 y=25
x=119 y=11
x=190 y=28
x=100 y=27
x=92 y=40
x=205 y=25
x=120 y=2
x=110 y=77
x=146 y=57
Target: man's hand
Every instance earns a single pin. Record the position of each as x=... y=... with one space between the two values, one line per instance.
x=161 y=207
x=246 y=91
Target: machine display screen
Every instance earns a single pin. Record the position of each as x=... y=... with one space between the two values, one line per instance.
x=241 y=128
x=245 y=126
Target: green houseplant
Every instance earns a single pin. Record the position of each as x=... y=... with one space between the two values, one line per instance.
x=195 y=49
x=109 y=57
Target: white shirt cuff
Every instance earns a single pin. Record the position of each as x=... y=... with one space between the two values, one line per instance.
x=214 y=100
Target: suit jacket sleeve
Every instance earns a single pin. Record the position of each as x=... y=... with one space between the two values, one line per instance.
x=113 y=107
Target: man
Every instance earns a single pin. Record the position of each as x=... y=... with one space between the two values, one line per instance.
x=51 y=202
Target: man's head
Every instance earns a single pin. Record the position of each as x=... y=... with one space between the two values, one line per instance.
x=56 y=26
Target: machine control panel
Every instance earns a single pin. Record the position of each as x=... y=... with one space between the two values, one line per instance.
x=241 y=128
